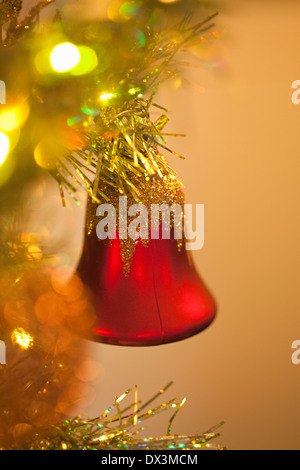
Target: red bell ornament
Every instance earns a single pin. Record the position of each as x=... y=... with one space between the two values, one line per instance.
x=145 y=292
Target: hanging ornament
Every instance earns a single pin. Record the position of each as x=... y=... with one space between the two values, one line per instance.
x=146 y=291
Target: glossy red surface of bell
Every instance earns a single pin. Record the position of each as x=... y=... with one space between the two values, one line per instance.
x=162 y=300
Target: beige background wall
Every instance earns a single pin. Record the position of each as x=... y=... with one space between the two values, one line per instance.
x=243 y=163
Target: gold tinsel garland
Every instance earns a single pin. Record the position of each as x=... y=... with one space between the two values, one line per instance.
x=117 y=429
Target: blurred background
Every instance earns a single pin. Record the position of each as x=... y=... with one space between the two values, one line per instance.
x=242 y=161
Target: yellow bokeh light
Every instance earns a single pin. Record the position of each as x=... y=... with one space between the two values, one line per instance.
x=106 y=96
x=168 y=1
x=9 y=120
x=87 y=63
x=47 y=152
x=4 y=147
x=65 y=57
x=14 y=117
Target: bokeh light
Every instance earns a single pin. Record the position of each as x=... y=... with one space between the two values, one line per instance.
x=88 y=61
x=140 y=38
x=120 y=11
x=168 y=1
x=50 y=309
x=47 y=152
x=14 y=117
x=106 y=96
x=129 y=9
x=65 y=57
x=70 y=287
